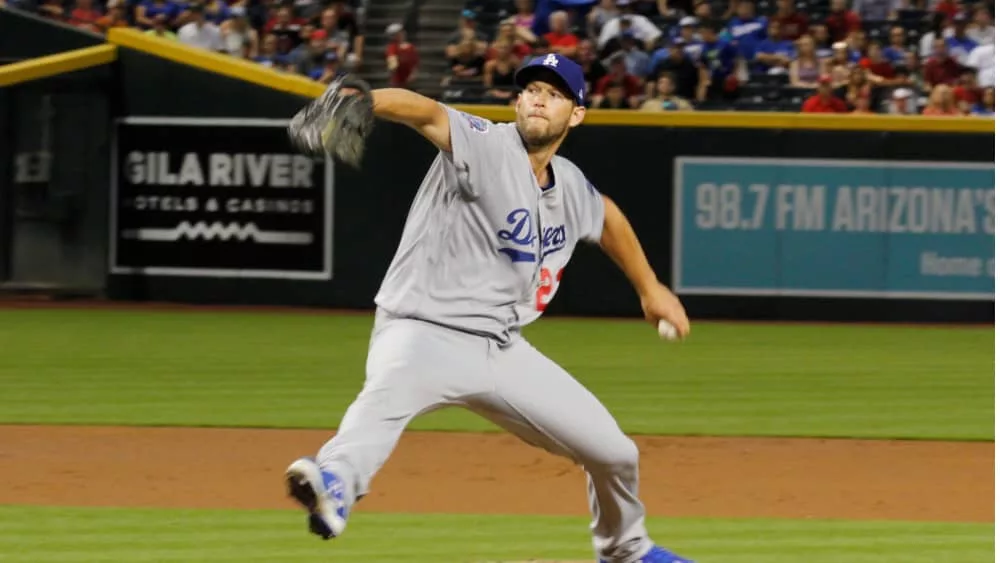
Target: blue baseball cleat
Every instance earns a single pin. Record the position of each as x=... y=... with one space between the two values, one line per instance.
x=321 y=493
x=660 y=555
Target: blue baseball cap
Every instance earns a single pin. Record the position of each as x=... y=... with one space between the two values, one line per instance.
x=567 y=71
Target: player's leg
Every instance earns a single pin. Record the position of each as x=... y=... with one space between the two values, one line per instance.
x=537 y=400
x=413 y=367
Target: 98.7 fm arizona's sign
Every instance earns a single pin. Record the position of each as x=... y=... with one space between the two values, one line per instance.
x=834 y=228
x=218 y=198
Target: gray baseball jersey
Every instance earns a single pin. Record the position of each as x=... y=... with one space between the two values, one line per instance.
x=484 y=246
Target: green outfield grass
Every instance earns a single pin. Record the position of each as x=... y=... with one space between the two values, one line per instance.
x=68 y=535
x=291 y=370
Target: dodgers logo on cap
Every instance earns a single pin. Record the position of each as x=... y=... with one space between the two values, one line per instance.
x=567 y=71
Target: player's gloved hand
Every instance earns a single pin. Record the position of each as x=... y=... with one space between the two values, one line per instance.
x=336 y=123
x=658 y=302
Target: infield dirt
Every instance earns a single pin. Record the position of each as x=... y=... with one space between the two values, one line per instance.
x=496 y=473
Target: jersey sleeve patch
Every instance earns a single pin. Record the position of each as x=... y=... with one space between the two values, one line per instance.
x=476 y=123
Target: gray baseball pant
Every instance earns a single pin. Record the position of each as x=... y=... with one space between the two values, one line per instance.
x=415 y=367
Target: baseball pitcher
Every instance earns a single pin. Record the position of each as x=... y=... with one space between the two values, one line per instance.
x=482 y=253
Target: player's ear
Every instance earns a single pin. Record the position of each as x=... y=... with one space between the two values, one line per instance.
x=576 y=117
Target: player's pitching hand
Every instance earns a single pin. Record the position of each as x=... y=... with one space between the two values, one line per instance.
x=661 y=303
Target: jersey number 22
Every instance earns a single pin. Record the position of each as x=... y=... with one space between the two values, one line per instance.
x=547 y=287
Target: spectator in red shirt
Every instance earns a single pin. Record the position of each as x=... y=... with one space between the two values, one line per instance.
x=948 y=7
x=841 y=21
x=84 y=15
x=940 y=68
x=401 y=57
x=967 y=91
x=823 y=101
x=507 y=33
x=618 y=75
x=287 y=29
x=560 y=39
x=793 y=24
x=880 y=71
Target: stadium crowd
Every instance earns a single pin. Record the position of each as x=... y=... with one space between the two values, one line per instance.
x=932 y=57
x=310 y=37
x=874 y=56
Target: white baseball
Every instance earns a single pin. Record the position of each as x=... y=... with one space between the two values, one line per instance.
x=667 y=331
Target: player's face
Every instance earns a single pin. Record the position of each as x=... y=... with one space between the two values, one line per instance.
x=545 y=113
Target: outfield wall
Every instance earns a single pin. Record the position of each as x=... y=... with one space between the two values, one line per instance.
x=749 y=216
x=24 y=36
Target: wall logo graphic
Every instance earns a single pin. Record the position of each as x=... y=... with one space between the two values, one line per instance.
x=218 y=198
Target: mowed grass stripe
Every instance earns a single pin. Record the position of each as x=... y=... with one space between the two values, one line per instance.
x=51 y=534
x=289 y=370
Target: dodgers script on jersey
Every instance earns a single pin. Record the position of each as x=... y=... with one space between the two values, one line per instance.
x=484 y=246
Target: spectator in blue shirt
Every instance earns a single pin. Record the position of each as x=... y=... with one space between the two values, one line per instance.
x=687 y=31
x=747 y=29
x=985 y=106
x=636 y=60
x=857 y=46
x=895 y=51
x=328 y=71
x=821 y=35
x=687 y=28
x=216 y=11
x=662 y=53
x=718 y=65
x=774 y=54
x=960 y=44
x=684 y=35
x=147 y=10
x=269 y=55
